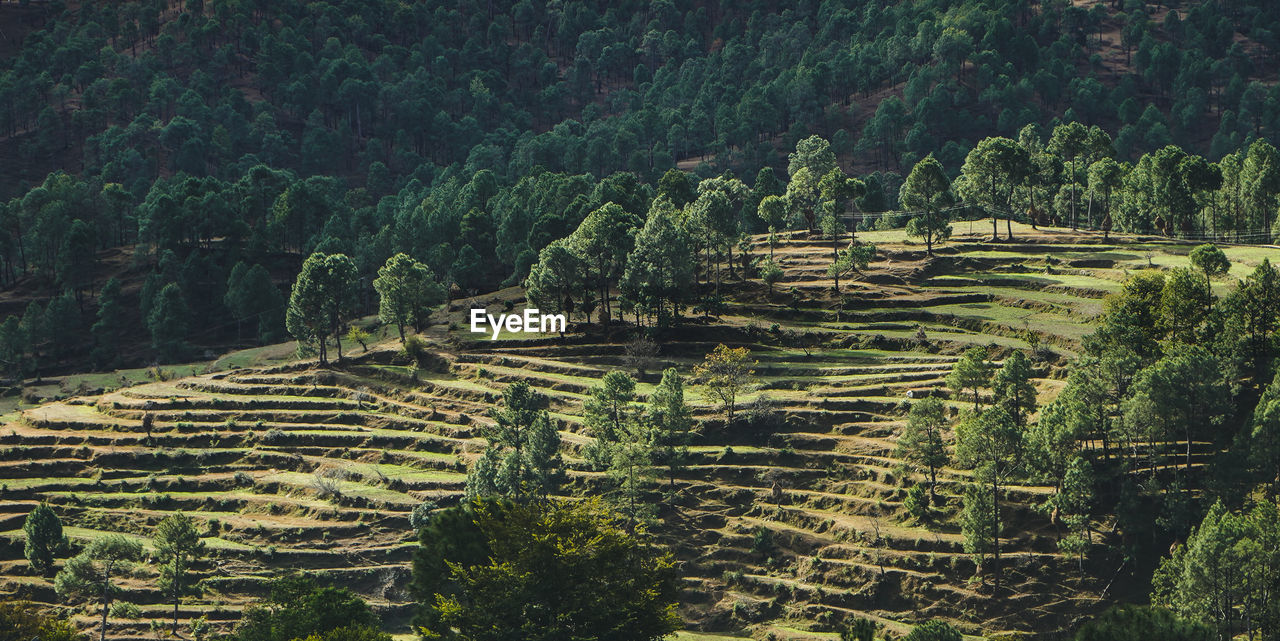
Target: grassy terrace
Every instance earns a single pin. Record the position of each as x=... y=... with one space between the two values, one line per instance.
x=287 y=466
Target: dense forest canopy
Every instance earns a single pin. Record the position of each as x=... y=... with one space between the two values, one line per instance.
x=224 y=139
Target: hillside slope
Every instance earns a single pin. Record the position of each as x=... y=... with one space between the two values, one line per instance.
x=295 y=467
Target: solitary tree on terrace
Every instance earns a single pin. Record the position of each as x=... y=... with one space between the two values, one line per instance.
x=1011 y=385
x=726 y=372
x=92 y=572
x=43 y=530
x=671 y=419
x=928 y=191
x=921 y=441
x=773 y=211
x=523 y=458
x=178 y=547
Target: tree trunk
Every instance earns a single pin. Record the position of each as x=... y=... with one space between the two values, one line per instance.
x=106 y=604
x=995 y=530
x=1073 y=194
x=337 y=339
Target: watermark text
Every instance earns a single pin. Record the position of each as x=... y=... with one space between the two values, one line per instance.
x=531 y=321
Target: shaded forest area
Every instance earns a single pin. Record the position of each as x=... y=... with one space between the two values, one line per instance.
x=199 y=136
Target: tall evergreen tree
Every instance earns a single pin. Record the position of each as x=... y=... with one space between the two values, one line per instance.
x=110 y=328
x=407 y=292
x=992 y=443
x=660 y=270
x=253 y=297
x=170 y=323
x=177 y=547
x=970 y=374
x=1013 y=390
x=94 y=572
x=321 y=300
x=928 y=192
x=921 y=442
x=42 y=531
x=523 y=456
x=671 y=420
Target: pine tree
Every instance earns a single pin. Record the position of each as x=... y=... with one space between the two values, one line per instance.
x=991 y=443
x=928 y=191
x=1074 y=505
x=170 y=323
x=773 y=211
x=110 y=327
x=407 y=292
x=921 y=442
x=1012 y=388
x=36 y=332
x=971 y=372
x=93 y=572
x=63 y=324
x=43 y=532
x=660 y=270
x=556 y=279
x=322 y=297
x=1212 y=263
x=671 y=419
x=253 y=297
x=523 y=457
x=177 y=547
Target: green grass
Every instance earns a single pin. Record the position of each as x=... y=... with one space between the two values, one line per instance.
x=86 y=534
x=1016 y=318
x=353 y=488
x=687 y=635
x=28 y=483
x=258 y=356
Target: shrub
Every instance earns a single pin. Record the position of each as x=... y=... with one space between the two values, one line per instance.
x=421 y=514
x=415 y=350
x=859 y=630
x=125 y=610
x=21 y=621
x=1134 y=622
x=934 y=630
x=325 y=486
x=199 y=628
x=762 y=416
x=762 y=540
x=917 y=502
x=641 y=354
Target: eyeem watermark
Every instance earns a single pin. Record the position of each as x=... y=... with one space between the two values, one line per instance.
x=531 y=322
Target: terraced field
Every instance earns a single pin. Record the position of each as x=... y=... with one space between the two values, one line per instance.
x=783 y=524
